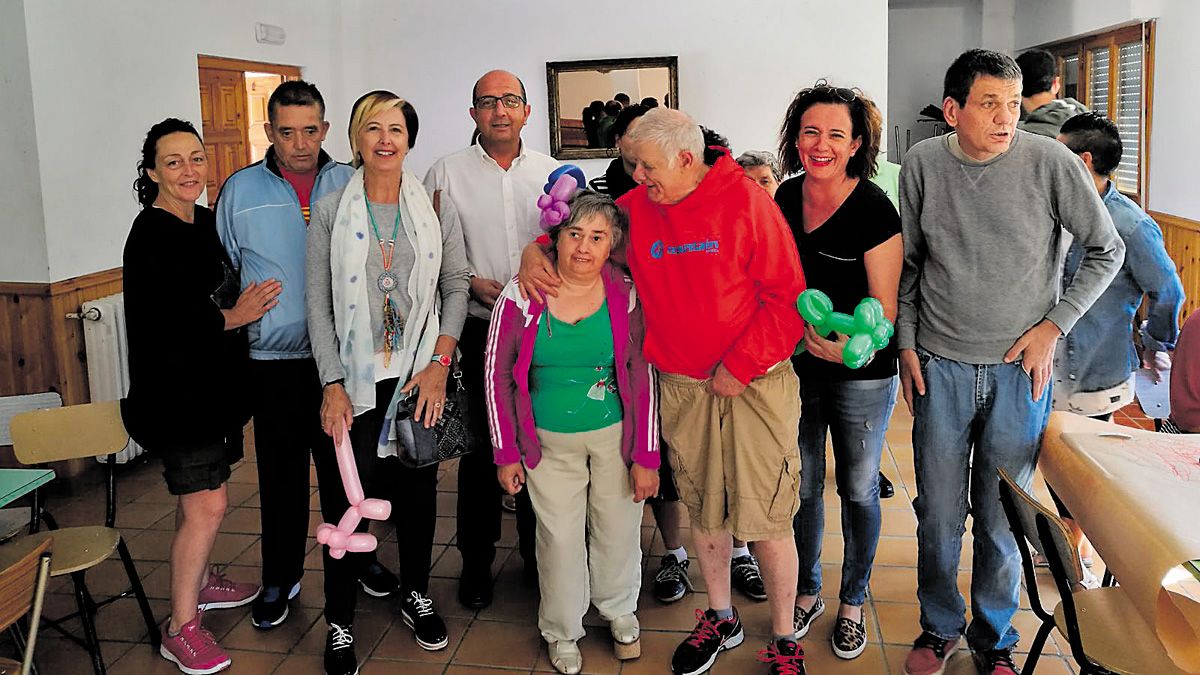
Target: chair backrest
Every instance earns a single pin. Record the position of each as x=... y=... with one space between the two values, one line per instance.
x=1052 y=538
x=87 y=430
x=11 y=406
x=18 y=584
x=1026 y=511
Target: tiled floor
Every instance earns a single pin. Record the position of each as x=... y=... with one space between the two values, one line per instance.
x=500 y=639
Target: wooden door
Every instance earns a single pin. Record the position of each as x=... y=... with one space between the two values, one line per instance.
x=226 y=129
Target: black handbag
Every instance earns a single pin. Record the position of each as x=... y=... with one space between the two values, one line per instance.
x=449 y=438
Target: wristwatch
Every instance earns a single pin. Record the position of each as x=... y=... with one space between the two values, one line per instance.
x=442 y=359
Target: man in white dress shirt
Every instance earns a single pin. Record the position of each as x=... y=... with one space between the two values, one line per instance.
x=494 y=187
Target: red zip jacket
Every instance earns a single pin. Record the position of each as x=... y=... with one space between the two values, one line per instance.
x=718 y=274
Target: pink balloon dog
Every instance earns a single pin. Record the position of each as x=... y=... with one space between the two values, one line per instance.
x=342 y=537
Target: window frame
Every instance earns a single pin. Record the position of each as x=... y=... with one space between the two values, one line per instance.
x=1112 y=39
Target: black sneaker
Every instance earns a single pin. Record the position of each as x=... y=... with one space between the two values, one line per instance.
x=746 y=577
x=427 y=627
x=996 y=662
x=849 y=637
x=785 y=656
x=886 y=489
x=709 y=638
x=802 y=620
x=376 y=580
x=339 y=651
x=672 y=580
x=270 y=608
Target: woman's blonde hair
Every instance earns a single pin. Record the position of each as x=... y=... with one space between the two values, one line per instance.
x=370 y=105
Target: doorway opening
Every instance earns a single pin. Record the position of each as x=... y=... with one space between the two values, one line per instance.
x=233 y=111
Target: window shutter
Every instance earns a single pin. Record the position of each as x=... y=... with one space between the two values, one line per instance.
x=1129 y=113
x=1098 y=80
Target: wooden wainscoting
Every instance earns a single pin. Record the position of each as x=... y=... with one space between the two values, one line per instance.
x=1182 y=238
x=40 y=348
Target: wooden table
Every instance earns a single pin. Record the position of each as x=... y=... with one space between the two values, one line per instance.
x=1136 y=494
x=16 y=483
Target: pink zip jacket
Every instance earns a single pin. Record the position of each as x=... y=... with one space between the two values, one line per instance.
x=510 y=345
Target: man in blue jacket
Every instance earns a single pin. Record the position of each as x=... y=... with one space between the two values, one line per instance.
x=262 y=218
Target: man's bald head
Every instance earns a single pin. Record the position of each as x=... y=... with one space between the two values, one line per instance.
x=500 y=77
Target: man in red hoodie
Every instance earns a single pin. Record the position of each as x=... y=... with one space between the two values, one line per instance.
x=717 y=271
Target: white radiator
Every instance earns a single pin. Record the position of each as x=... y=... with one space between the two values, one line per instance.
x=108 y=356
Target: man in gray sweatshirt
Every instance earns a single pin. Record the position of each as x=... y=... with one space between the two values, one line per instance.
x=983 y=210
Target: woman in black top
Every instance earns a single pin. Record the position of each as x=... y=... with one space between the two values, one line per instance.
x=183 y=314
x=848 y=234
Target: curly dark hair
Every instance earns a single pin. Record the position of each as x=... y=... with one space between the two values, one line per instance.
x=144 y=188
x=866 y=124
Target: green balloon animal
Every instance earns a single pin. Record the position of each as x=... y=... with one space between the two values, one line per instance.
x=869 y=330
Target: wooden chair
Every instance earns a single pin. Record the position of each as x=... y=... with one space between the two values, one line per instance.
x=80 y=431
x=24 y=571
x=1104 y=629
x=1022 y=509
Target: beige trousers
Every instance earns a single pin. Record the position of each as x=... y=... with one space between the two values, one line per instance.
x=588 y=530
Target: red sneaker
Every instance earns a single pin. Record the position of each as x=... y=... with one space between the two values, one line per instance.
x=928 y=655
x=194 y=649
x=223 y=593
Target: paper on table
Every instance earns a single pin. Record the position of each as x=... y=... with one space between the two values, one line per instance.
x=1136 y=494
x=1154 y=399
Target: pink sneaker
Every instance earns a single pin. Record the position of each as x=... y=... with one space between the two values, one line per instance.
x=222 y=593
x=194 y=649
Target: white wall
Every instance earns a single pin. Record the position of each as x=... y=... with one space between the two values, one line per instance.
x=924 y=37
x=1173 y=144
x=103 y=72
x=23 y=252
x=738 y=69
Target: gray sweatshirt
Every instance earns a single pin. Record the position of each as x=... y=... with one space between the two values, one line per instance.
x=982 y=245
x=453 y=281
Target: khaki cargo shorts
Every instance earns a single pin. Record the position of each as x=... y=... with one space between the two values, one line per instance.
x=736 y=460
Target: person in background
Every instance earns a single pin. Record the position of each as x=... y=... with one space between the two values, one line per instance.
x=187 y=365
x=762 y=167
x=262 y=218
x=618 y=176
x=622 y=98
x=591 y=118
x=1043 y=112
x=380 y=262
x=848 y=235
x=1185 y=383
x=604 y=128
x=492 y=188
x=650 y=102
x=1094 y=363
x=574 y=416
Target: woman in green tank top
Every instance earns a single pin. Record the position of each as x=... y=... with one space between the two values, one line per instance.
x=569 y=387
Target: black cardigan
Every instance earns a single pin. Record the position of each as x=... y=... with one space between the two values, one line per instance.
x=186 y=372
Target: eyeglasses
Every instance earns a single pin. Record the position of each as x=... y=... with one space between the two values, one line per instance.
x=841 y=93
x=489 y=102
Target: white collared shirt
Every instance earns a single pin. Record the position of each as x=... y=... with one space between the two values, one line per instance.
x=497 y=208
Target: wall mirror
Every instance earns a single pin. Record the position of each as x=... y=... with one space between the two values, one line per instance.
x=586 y=96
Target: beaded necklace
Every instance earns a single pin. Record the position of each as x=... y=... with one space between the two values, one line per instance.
x=387 y=283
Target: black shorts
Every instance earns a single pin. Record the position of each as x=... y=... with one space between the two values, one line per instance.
x=666 y=479
x=204 y=468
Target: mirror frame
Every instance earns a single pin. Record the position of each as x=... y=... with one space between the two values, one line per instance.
x=553 y=68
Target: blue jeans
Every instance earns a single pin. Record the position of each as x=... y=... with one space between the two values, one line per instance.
x=857 y=413
x=988 y=409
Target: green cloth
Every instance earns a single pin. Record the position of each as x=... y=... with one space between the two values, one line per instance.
x=571 y=380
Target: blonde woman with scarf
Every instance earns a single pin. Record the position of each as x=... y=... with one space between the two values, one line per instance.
x=387 y=297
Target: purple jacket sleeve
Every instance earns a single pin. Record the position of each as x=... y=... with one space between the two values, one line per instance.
x=500 y=389
x=644 y=392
